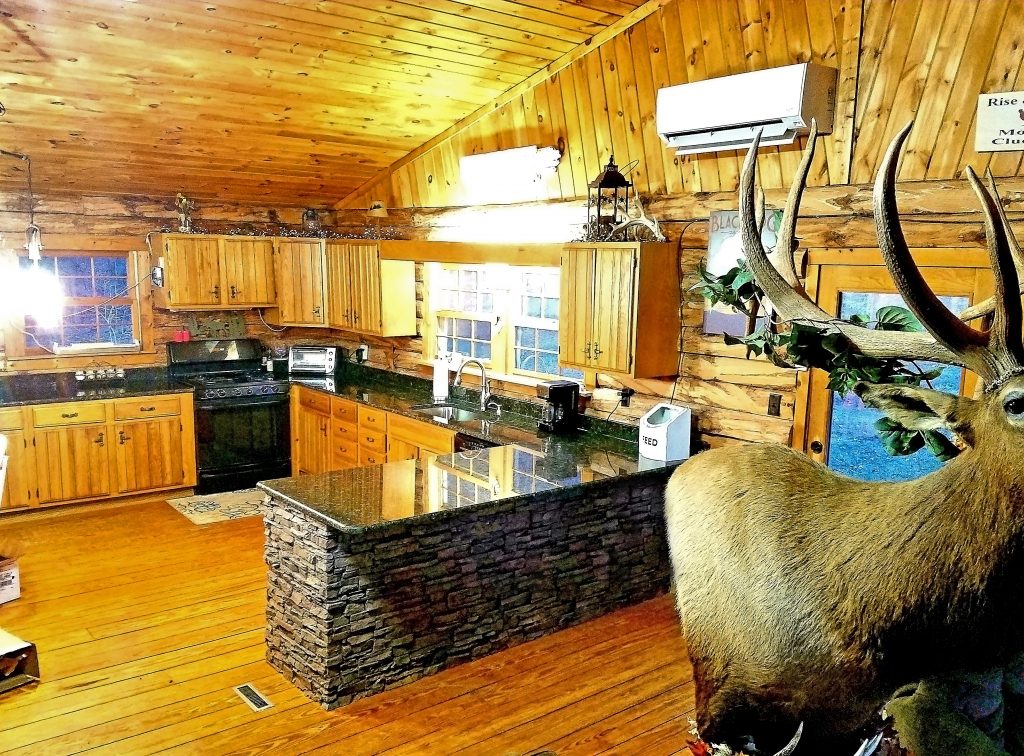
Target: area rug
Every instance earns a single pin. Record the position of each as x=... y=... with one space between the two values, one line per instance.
x=231 y=505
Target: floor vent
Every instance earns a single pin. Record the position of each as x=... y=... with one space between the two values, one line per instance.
x=256 y=700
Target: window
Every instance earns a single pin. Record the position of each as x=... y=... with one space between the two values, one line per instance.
x=100 y=310
x=505 y=316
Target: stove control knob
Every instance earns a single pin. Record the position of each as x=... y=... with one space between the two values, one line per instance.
x=268 y=389
x=221 y=392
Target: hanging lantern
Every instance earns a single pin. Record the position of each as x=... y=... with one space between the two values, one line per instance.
x=607 y=200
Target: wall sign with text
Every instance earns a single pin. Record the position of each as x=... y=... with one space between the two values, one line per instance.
x=1000 y=123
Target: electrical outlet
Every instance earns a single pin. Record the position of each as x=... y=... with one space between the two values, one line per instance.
x=362 y=353
x=775 y=405
x=624 y=395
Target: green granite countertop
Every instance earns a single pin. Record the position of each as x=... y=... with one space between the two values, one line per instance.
x=45 y=388
x=372 y=498
x=525 y=463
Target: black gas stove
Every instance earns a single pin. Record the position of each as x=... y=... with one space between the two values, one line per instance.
x=242 y=421
x=235 y=385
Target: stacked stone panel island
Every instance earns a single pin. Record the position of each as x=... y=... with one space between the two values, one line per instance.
x=381 y=575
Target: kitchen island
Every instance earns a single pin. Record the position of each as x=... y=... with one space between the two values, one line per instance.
x=381 y=575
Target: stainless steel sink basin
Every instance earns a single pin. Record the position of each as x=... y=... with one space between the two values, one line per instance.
x=447 y=412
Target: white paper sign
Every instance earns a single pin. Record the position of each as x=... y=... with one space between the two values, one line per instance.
x=1000 y=123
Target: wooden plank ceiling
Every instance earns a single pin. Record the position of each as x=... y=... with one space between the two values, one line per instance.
x=281 y=102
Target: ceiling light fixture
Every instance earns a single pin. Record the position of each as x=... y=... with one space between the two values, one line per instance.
x=38 y=291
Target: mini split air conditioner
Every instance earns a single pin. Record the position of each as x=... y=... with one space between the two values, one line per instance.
x=725 y=113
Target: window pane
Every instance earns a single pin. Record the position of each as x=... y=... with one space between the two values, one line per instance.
x=462 y=346
x=853 y=445
x=548 y=363
x=110 y=287
x=551 y=309
x=483 y=351
x=483 y=330
x=468 y=279
x=464 y=328
x=548 y=339
x=78 y=287
x=526 y=336
x=533 y=307
x=572 y=373
x=486 y=303
x=526 y=360
x=469 y=301
x=74 y=266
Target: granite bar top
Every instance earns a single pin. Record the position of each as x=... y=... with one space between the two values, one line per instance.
x=46 y=388
x=365 y=499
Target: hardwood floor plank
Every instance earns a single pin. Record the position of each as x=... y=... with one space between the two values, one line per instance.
x=145 y=622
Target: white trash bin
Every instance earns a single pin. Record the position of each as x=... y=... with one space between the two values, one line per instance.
x=665 y=433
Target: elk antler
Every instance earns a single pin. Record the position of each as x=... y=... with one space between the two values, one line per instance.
x=791 y=302
x=987 y=306
x=993 y=355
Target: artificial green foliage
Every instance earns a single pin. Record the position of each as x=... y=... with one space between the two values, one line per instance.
x=807 y=345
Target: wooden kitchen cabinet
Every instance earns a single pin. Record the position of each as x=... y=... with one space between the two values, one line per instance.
x=73 y=462
x=18 y=491
x=311 y=419
x=151 y=446
x=207 y=272
x=247 y=265
x=301 y=274
x=88 y=450
x=367 y=294
x=619 y=309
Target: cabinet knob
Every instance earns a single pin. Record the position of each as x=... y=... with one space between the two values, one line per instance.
x=234 y=292
x=215 y=291
x=817 y=447
x=99 y=439
x=586 y=349
x=122 y=438
x=596 y=350
x=147 y=409
x=68 y=415
x=316 y=311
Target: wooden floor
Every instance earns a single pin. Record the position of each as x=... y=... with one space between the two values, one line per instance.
x=144 y=623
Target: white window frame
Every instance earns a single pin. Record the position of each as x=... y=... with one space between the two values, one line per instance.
x=504 y=320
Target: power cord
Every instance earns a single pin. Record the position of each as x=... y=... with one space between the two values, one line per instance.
x=259 y=311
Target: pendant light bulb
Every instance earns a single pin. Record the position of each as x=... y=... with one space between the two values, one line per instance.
x=33 y=243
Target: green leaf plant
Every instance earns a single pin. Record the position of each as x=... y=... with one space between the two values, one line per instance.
x=805 y=345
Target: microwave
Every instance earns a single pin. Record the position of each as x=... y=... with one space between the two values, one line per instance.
x=312 y=359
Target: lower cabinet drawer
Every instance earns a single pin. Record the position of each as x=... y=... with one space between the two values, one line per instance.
x=371 y=456
x=72 y=413
x=342 y=448
x=146 y=406
x=426 y=435
x=315 y=400
x=373 y=440
x=10 y=419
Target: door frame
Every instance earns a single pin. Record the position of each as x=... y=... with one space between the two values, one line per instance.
x=953 y=272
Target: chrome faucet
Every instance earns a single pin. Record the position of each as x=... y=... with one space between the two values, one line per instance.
x=485 y=384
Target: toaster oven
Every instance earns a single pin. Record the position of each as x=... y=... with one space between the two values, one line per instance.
x=312 y=359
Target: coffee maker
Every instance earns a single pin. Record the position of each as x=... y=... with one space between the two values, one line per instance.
x=561 y=412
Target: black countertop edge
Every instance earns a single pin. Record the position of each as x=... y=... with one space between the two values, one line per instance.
x=391 y=527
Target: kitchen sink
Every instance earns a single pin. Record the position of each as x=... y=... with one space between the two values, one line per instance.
x=447 y=412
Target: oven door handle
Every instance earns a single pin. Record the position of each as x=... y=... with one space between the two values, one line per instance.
x=233 y=403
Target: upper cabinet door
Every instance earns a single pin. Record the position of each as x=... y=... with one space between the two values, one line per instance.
x=339 y=288
x=193 y=276
x=248 y=269
x=300 y=282
x=576 y=300
x=614 y=294
x=366 y=288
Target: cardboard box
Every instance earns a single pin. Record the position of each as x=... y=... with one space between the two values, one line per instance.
x=10 y=579
x=19 y=662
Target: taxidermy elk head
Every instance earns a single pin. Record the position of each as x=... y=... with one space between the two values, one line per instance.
x=806 y=596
